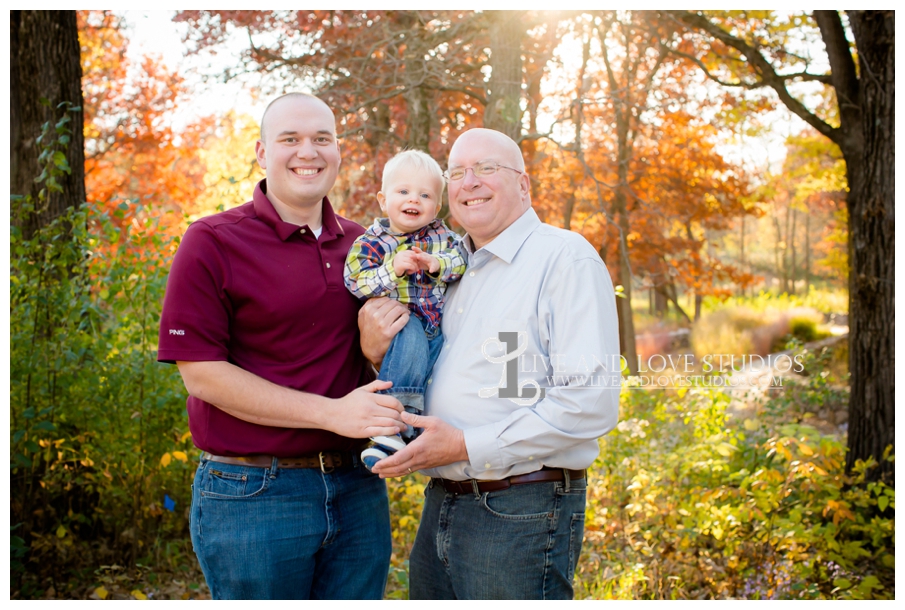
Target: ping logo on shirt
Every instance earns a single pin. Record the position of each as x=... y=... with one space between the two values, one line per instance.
x=173 y=331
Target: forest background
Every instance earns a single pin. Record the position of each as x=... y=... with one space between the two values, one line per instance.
x=627 y=121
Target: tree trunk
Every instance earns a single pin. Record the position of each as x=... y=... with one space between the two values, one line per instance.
x=45 y=62
x=871 y=212
x=417 y=94
x=504 y=108
x=807 y=252
x=793 y=268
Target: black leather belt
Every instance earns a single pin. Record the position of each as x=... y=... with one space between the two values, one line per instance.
x=545 y=475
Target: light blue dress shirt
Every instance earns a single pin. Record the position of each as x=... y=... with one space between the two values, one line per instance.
x=549 y=288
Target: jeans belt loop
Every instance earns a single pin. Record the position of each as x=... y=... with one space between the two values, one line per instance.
x=474 y=486
x=565 y=475
x=323 y=465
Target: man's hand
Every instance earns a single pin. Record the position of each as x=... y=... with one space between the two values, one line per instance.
x=363 y=413
x=379 y=320
x=406 y=262
x=440 y=444
x=427 y=262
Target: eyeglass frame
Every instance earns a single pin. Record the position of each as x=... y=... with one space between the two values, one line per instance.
x=497 y=167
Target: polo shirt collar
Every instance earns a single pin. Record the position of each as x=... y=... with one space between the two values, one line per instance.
x=507 y=244
x=265 y=211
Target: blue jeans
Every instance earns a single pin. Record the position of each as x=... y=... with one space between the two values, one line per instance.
x=277 y=533
x=517 y=543
x=409 y=361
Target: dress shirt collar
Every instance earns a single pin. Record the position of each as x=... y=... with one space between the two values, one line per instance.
x=267 y=213
x=507 y=244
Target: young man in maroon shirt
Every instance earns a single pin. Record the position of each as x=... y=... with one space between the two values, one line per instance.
x=265 y=335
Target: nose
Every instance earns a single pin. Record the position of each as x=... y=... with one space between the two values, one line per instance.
x=306 y=150
x=470 y=182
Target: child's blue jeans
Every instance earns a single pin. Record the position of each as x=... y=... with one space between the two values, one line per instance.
x=408 y=364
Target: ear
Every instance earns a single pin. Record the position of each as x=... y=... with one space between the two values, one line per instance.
x=524 y=184
x=260 y=154
x=382 y=200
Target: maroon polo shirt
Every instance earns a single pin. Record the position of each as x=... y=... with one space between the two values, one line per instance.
x=247 y=288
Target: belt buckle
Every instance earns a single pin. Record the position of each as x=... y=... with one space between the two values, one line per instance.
x=320 y=456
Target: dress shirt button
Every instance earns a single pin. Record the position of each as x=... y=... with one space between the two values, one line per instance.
x=530 y=457
x=302 y=231
x=328 y=265
x=487 y=465
x=471 y=274
x=446 y=346
x=421 y=300
x=459 y=310
x=430 y=381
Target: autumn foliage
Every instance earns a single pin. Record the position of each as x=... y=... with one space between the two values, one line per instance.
x=136 y=164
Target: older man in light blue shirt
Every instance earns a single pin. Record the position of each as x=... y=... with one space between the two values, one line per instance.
x=528 y=380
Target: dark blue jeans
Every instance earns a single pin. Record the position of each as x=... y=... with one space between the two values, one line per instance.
x=409 y=361
x=517 y=543
x=268 y=533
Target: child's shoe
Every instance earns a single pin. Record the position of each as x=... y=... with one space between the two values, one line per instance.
x=384 y=446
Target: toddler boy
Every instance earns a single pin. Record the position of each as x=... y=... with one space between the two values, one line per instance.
x=409 y=256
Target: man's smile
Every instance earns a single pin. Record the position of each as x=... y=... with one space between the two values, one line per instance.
x=469 y=202
x=301 y=171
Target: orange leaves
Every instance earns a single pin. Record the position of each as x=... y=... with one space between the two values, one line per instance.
x=133 y=154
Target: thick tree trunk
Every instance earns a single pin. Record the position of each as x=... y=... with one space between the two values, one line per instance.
x=871 y=212
x=504 y=107
x=45 y=62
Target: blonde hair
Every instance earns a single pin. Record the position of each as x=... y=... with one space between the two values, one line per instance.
x=413 y=160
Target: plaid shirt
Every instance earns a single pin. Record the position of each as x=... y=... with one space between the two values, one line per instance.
x=369 y=267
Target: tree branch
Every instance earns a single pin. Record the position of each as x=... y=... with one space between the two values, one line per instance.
x=762 y=68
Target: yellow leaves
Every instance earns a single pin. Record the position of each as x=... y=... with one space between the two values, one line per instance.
x=751 y=424
x=717 y=532
x=61 y=532
x=138 y=594
x=167 y=457
x=185 y=437
x=840 y=510
x=101 y=592
x=725 y=449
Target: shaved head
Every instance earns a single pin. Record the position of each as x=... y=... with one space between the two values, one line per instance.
x=503 y=148
x=286 y=97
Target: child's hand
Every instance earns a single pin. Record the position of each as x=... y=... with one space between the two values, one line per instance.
x=426 y=261
x=406 y=262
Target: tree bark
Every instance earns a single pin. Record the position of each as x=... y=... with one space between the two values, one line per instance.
x=45 y=62
x=504 y=108
x=871 y=209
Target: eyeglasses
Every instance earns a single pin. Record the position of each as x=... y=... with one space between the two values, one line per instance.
x=482 y=169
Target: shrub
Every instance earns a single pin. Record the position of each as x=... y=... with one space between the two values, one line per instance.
x=92 y=413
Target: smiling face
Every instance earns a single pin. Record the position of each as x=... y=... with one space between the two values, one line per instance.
x=410 y=198
x=486 y=205
x=299 y=152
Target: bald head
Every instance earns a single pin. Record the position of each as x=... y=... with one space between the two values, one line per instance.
x=498 y=145
x=297 y=97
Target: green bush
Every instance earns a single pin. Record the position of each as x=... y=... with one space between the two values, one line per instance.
x=92 y=413
x=688 y=503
